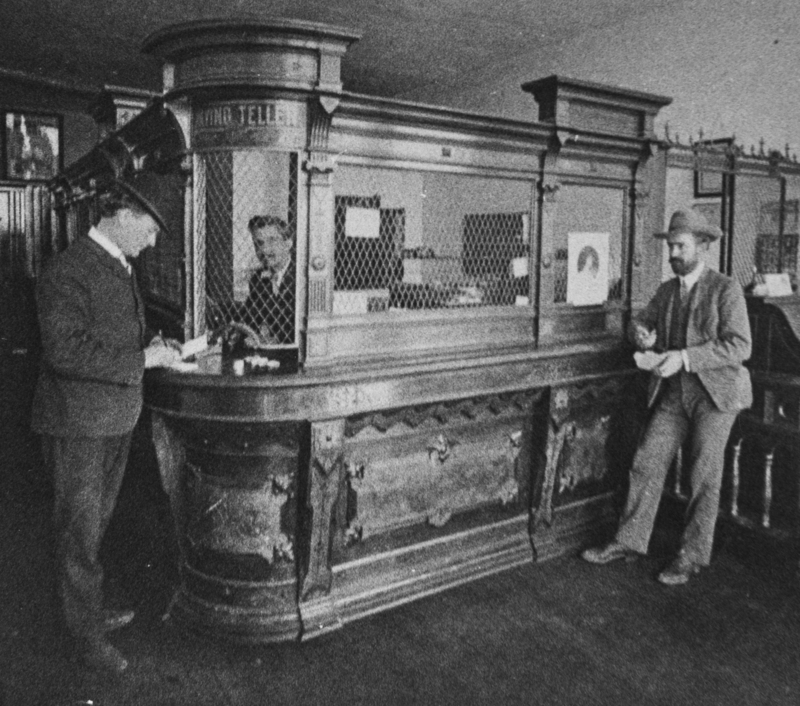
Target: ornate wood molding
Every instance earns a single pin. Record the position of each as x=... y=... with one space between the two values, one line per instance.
x=326 y=475
x=443 y=412
x=567 y=406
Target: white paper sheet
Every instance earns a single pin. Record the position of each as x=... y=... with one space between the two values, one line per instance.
x=519 y=267
x=648 y=360
x=362 y=222
x=195 y=346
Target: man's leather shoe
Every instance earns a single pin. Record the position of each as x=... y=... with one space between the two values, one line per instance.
x=115 y=619
x=101 y=655
x=610 y=552
x=679 y=571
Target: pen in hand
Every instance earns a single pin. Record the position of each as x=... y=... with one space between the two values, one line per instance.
x=168 y=342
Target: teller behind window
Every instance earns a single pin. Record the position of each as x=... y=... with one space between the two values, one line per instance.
x=270 y=305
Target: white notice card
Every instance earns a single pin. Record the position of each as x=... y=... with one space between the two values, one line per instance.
x=587 y=268
x=519 y=267
x=362 y=222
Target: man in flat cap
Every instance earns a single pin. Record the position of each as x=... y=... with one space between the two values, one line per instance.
x=698 y=335
x=88 y=399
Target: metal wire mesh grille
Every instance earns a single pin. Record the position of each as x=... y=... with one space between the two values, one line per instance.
x=757 y=214
x=235 y=187
x=220 y=303
x=777 y=240
x=419 y=240
x=200 y=321
x=791 y=227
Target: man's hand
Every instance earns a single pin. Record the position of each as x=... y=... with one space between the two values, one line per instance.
x=672 y=364
x=264 y=338
x=160 y=355
x=644 y=339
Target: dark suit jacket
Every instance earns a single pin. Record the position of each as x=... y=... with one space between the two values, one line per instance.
x=277 y=311
x=718 y=337
x=91 y=318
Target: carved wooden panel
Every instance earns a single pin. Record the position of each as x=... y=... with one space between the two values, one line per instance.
x=592 y=435
x=240 y=521
x=325 y=481
x=237 y=491
x=423 y=465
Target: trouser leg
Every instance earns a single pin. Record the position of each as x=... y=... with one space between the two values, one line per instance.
x=711 y=429
x=87 y=474
x=665 y=434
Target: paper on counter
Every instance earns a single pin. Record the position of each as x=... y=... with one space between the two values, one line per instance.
x=182 y=366
x=355 y=302
x=257 y=362
x=648 y=360
x=412 y=271
x=195 y=346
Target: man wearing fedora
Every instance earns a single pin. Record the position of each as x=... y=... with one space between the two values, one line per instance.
x=88 y=399
x=697 y=328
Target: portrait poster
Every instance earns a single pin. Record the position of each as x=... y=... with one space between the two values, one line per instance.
x=587 y=268
x=32 y=146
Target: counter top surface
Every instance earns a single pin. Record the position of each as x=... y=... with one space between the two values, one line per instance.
x=215 y=391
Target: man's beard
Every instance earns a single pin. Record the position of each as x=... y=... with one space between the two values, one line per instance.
x=679 y=267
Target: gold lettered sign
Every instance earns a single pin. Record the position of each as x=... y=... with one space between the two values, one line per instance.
x=274 y=123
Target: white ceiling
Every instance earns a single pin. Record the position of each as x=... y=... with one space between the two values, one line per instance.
x=409 y=48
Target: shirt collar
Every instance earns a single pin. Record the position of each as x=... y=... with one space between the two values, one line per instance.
x=277 y=276
x=691 y=279
x=110 y=247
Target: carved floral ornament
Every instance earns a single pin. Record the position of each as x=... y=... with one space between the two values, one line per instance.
x=641 y=201
x=641 y=198
x=549 y=190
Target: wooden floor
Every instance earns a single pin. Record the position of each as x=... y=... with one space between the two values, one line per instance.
x=561 y=632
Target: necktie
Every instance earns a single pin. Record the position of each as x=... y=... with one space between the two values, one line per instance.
x=275 y=282
x=684 y=291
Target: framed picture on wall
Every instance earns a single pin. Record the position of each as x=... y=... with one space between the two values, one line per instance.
x=32 y=145
x=707 y=182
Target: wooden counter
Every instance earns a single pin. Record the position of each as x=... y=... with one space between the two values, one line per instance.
x=306 y=500
x=461 y=405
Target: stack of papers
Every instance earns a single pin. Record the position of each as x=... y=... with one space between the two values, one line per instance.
x=193 y=347
x=182 y=366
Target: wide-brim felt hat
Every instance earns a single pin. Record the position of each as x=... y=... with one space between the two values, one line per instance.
x=690 y=221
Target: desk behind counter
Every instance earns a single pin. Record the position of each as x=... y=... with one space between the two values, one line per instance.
x=304 y=501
